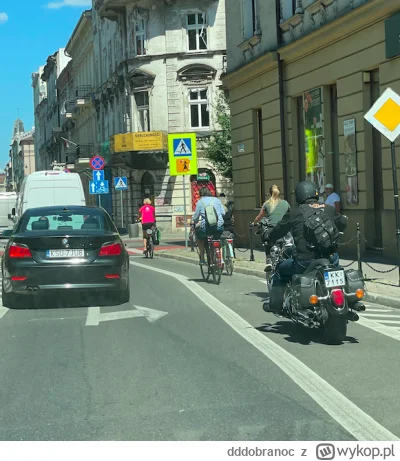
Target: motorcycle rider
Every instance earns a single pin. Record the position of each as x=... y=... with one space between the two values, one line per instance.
x=307 y=195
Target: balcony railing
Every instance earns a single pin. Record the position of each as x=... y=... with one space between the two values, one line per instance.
x=84 y=151
x=83 y=95
x=70 y=158
x=70 y=110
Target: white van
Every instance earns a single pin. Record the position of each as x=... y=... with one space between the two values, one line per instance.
x=49 y=188
x=8 y=201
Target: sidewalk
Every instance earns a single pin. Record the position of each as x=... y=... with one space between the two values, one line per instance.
x=381 y=286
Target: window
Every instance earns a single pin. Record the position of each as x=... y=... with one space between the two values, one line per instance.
x=197 y=32
x=250 y=25
x=142 y=108
x=140 y=37
x=288 y=9
x=199 y=114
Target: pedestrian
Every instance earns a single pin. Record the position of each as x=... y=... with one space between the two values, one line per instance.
x=332 y=198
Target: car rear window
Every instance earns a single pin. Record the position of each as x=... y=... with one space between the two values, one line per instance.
x=71 y=222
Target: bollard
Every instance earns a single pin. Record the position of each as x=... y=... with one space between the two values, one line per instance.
x=251 y=243
x=359 y=248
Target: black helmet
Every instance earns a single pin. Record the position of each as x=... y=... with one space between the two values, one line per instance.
x=306 y=190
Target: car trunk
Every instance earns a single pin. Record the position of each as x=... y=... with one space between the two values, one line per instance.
x=84 y=247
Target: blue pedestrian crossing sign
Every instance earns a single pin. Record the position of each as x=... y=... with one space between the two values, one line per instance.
x=182 y=147
x=98 y=187
x=98 y=175
x=121 y=183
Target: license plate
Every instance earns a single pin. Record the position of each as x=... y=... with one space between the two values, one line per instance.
x=334 y=279
x=65 y=253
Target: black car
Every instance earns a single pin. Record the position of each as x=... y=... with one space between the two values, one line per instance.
x=65 y=249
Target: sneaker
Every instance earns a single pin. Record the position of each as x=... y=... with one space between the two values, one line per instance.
x=268 y=267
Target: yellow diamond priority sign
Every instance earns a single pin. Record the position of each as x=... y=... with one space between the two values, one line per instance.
x=384 y=115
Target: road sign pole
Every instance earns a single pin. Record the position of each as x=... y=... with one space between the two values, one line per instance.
x=122 y=210
x=184 y=209
x=396 y=202
x=99 y=200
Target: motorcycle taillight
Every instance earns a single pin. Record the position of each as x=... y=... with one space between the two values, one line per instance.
x=338 y=298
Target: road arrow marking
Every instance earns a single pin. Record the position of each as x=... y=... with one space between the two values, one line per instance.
x=94 y=316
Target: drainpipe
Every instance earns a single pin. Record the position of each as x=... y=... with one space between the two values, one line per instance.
x=281 y=101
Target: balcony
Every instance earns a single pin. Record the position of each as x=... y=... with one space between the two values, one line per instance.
x=71 y=111
x=111 y=9
x=70 y=160
x=83 y=95
x=84 y=152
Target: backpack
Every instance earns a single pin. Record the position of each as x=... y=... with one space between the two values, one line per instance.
x=320 y=232
x=211 y=215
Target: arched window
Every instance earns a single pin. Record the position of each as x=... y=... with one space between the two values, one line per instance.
x=147 y=187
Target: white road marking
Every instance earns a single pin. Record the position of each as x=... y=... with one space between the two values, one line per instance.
x=3 y=311
x=368 y=309
x=340 y=408
x=93 y=316
x=380 y=328
x=381 y=316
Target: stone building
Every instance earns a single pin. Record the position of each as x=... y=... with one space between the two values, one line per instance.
x=301 y=75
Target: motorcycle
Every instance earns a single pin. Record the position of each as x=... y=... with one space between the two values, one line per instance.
x=324 y=297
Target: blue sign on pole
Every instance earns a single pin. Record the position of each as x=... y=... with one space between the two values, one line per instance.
x=98 y=175
x=98 y=187
x=121 y=183
x=182 y=147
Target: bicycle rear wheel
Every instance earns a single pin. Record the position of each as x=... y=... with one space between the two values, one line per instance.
x=215 y=268
x=151 y=249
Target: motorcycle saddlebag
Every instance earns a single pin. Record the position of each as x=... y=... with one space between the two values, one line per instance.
x=304 y=287
x=354 y=281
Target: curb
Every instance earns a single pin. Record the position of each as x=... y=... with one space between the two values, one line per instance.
x=370 y=296
x=387 y=301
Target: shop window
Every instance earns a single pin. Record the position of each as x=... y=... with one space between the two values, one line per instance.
x=196 y=32
x=199 y=111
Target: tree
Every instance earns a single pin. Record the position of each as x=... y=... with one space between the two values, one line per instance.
x=219 y=149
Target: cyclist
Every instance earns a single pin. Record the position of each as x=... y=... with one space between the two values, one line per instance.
x=148 y=218
x=199 y=219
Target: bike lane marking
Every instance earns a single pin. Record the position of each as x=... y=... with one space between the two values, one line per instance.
x=358 y=423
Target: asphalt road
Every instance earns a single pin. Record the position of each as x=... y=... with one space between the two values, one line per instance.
x=187 y=360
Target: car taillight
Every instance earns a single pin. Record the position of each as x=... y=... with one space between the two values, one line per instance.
x=111 y=249
x=19 y=251
x=338 y=298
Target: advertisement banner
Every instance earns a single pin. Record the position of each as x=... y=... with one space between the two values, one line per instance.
x=350 y=152
x=314 y=137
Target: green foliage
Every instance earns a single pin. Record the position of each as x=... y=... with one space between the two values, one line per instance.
x=218 y=150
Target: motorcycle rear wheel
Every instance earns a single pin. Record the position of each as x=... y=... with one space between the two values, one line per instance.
x=335 y=330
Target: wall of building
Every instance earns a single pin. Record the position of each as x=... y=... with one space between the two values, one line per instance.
x=345 y=56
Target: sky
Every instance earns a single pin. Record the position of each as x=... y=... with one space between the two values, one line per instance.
x=30 y=31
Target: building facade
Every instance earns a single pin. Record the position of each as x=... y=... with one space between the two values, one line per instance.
x=159 y=67
x=49 y=113
x=39 y=95
x=22 y=155
x=301 y=75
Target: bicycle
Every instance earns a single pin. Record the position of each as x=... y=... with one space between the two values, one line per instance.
x=214 y=260
x=227 y=255
x=149 y=243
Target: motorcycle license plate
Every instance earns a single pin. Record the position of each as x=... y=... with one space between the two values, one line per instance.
x=334 y=279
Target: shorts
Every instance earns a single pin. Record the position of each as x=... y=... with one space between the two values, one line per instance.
x=146 y=226
x=201 y=235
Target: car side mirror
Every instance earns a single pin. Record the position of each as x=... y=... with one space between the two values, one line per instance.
x=122 y=231
x=6 y=234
